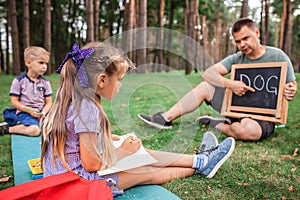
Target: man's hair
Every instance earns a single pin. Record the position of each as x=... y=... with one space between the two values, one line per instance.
x=33 y=52
x=237 y=26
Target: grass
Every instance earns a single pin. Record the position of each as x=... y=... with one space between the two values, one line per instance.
x=256 y=170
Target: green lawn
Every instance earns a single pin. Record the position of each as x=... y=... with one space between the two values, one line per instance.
x=262 y=170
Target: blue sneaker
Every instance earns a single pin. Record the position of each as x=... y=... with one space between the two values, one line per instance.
x=216 y=157
x=209 y=141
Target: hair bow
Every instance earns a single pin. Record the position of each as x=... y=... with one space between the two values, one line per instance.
x=78 y=56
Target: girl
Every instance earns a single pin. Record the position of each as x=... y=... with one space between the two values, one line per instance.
x=77 y=136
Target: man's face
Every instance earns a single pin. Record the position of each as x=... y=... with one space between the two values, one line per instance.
x=247 y=40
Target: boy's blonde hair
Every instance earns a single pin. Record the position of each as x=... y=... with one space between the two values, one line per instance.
x=34 y=52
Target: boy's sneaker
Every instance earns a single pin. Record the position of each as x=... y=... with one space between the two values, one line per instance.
x=216 y=157
x=212 y=121
x=4 y=128
x=157 y=120
x=209 y=142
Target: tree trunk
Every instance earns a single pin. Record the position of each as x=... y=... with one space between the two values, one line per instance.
x=261 y=23
x=196 y=37
x=244 y=12
x=129 y=19
x=1 y=57
x=286 y=27
x=96 y=19
x=26 y=24
x=170 y=26
x=267 y=32
x=217 y=43
x=15 y=37
x=47 y=34
x=190 y=27
x=142 y=37
x=205 y=40
x=89 y=20
x=160 y=38
x=7 y=41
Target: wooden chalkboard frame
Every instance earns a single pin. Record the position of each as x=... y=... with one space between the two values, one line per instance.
x=277 y=115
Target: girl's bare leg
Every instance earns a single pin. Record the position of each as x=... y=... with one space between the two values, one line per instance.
x=169 y=159
x=151 y=175
x=169 y=166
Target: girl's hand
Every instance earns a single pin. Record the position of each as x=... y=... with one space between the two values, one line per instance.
x=115 y=137
x=130 y=145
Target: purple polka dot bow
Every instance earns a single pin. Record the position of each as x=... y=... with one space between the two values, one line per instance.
x=78 y=56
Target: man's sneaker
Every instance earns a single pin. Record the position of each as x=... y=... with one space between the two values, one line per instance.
x=157 y=120
x=209 y=142
x=212 y=121
x=4 y=128
x=216 y=157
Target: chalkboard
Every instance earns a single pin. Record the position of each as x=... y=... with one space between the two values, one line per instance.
x=267 y=102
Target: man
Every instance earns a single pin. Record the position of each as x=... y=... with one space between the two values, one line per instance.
x=211 y=90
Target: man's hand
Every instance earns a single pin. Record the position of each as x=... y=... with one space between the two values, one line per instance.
x=290 y=90
x=240 y=88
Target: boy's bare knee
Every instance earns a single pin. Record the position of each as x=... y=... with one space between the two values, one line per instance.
x=34 y=131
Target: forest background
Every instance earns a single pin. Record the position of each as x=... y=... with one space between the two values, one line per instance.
x=263 y=170
x=57 y=25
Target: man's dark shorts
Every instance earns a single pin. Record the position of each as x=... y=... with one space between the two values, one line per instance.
x=217 y=101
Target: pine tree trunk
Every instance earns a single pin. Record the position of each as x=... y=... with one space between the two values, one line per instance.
x=244 y=12
x=89 y=20
x=129 y=19
x=7 y=42
x=190 y=26
x=96 y=20
x=286 y=27
x=170 y=26
x=47 y=34
x=16 y=67
x=160 y=37
x=142 y=36
x=267 y=32
x=26 y=24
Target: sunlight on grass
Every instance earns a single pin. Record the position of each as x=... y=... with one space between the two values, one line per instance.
x=256 y=170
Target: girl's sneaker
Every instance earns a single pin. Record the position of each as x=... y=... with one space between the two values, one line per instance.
x=209 y=142
x=216 y=157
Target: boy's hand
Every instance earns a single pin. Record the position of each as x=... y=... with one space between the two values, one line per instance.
x=36 y=113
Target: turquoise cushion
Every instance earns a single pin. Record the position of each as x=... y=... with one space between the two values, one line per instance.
x=147 y=192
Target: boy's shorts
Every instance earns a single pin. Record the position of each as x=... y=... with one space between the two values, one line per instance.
x=27 y=120
x=217 y=102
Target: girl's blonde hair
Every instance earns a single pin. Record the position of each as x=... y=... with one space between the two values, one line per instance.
x=105 y=58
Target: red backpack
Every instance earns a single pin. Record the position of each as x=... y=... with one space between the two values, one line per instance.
x=64 y=186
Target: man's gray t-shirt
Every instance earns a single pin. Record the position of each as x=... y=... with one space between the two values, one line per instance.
x=272 y=54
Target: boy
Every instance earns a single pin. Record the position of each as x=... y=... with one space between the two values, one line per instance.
x=30 y=95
